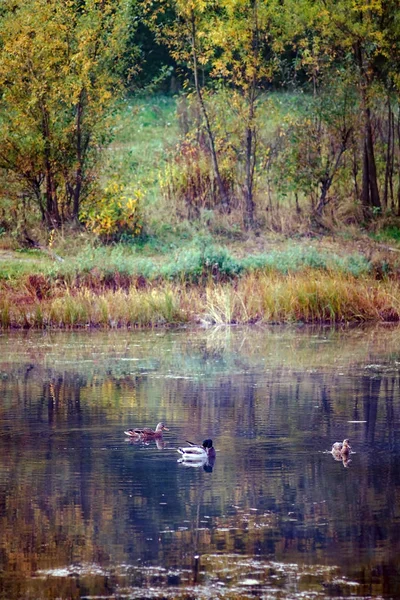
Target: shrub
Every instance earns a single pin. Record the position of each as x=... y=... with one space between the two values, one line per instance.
x=115 y=215
x=199 y=264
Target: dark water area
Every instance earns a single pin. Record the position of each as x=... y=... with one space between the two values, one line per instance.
x=87 y=513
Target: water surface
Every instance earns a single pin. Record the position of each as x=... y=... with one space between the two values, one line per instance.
x=85 y=513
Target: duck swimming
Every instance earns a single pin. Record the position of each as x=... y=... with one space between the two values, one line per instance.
x=197 y=452
x=342 y=448
x=146 y=432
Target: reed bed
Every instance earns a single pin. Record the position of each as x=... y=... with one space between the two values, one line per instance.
x=310 y=297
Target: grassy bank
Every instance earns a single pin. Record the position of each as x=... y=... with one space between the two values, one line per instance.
x=200 y=283
x=308 y=297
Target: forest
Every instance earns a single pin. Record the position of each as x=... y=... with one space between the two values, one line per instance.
x=64 y=66
x=142 y=123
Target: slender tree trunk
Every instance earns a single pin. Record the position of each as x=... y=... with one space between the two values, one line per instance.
x=332 y=165
x=250 y=164
x=79 y=157
x=52 y=212
x=372 y=175
x=391 y=160
x=211 y=140
x=398 y=138
x=251 y=139
x=355 y=171
x=385 y=200
x=369 y=191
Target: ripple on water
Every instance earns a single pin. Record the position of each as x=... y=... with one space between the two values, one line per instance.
x=214 y=576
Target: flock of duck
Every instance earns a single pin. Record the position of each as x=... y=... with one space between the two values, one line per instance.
x=205 y=453
x=192 y=455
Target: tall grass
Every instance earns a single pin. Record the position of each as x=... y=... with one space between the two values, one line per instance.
x=85 y=308
x=310 y=296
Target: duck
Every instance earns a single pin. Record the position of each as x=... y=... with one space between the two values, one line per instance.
x=342 y=448
x=196 y=452
x=146 y=432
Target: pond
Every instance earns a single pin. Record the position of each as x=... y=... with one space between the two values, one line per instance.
x=85 y=512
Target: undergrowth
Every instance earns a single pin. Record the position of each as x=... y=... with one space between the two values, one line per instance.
x=199 y=263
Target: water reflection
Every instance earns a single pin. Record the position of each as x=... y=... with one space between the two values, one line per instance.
x=159 y=443
x=84 y=511
x=343 y=458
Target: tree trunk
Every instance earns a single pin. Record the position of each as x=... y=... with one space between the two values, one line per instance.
x=331 y=168
x=391 y=160
x=398 y=139
x=52 y=213
x=369 y=192
x=355 y=172
x=250 y=129
x=372 y=176
x=249 y=216
x=79 y=169
x=250 y=163
x=214 y=158
x=385 y=199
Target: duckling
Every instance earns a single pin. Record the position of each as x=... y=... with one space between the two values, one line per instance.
x=342 y=448
x=197 y=452
x=146 y=432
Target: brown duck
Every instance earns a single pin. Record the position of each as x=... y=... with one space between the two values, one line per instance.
x=146 y=432
x=342 y=448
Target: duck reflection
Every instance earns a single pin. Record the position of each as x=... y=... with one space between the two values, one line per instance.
x=159 y=442
x=207 y=463
x=343 y=458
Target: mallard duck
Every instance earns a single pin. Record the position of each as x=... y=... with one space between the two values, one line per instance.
x=146 y=432
x=197 y=452
x=342 y=448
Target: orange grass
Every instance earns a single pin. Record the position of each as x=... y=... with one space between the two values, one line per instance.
x=310 y=297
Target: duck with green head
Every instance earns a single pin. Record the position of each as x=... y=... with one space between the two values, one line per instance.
x=198 y=452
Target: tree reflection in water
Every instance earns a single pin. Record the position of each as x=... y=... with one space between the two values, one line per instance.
x=84 y=512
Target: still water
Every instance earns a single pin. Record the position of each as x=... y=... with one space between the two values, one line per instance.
x=86 y=513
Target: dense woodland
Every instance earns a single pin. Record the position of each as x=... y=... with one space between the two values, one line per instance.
x=64 y=66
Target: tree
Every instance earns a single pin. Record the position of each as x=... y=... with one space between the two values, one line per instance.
x=186 y=31
x=242 y=41
x=58 y=80
x=357 y=35
x=230 y=41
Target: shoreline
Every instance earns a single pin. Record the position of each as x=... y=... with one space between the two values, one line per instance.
x=309 y=296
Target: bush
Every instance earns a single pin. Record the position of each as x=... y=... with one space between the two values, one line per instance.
x=116 y=215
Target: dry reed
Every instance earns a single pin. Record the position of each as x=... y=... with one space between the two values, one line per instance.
x=310 y=297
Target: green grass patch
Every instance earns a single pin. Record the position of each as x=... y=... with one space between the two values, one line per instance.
x=391 y=233
x=14 y=265
x=145 y=129
x=198 y=263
